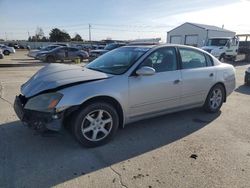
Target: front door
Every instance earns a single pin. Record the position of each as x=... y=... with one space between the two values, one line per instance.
x=158 y=92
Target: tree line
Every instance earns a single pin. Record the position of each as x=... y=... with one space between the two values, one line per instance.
x=55 y=35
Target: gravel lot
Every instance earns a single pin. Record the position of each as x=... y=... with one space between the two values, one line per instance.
x=184 y=149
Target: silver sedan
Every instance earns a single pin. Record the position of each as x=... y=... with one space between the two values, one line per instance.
x=123 y=86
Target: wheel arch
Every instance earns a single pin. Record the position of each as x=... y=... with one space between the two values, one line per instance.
x=6 y=50
x=103 y=98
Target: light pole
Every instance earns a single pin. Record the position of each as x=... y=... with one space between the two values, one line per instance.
x=89 y=32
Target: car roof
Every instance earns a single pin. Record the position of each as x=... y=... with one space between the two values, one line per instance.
x=161 y=45
x=165 y=45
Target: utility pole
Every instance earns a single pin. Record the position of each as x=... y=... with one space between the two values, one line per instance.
x=5 y=36
x=89 y=32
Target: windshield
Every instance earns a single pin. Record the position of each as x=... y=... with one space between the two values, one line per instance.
x=217 y=42
x=117 y=61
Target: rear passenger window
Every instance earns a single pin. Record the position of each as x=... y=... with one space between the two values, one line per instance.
x=209 y=60
x=192 y=59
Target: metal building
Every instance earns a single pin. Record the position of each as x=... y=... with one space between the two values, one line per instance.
x=194 y=34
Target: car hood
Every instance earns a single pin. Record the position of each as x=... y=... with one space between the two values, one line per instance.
x=54 y=76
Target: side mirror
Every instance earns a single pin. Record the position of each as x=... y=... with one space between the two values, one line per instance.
x=145 y=71
x=228 y=44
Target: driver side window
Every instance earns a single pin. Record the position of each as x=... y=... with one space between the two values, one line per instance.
x=162 y=60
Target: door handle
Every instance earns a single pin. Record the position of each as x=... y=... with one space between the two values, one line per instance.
x=177 y=81
x=211 y=75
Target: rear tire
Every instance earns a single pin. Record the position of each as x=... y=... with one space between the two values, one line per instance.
x=215 y=99
x=95 y=124
x=6 y=52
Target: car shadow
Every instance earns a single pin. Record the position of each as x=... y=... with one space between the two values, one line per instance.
x=244 y=89
x=29 y=159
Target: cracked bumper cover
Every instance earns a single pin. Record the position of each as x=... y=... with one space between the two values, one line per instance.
x=37 y=120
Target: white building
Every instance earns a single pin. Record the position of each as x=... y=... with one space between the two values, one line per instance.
x=196 y=34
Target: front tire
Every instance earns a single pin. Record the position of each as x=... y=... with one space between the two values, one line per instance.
x=95 y=124
x=215 y=99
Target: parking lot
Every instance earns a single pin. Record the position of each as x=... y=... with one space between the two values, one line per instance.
x=185 y=149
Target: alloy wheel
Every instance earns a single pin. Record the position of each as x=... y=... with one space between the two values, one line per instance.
x=216 y=98
x=97 y=125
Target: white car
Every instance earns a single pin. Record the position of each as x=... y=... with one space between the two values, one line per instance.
x=7 y=50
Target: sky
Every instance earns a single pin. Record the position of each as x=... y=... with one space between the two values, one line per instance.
x=118 y=19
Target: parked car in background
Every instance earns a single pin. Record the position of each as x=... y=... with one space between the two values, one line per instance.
x=61 y=44
x=98 y=47
x=14 y=45
x=247 y=76
x=223 y=48
x=83 y=47
x=33 y=53
x=1 y=54
x=142 y=43
x=62 y=53
x=122 y=86
x=244 y=46
x=93 y=54
x=7 y=50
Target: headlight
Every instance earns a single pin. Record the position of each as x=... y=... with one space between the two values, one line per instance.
x=44 y=102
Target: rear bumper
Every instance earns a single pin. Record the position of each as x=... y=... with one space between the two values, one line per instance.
x=37 y=120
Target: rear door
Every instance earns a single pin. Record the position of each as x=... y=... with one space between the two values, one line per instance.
x=198 y=76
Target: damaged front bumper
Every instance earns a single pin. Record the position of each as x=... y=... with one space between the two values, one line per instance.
x=35 y=119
